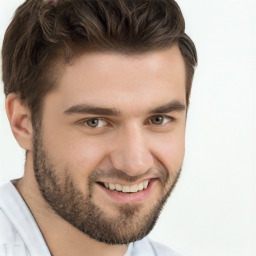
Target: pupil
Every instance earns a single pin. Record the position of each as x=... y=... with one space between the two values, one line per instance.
x=93 y=122
x=158 y=120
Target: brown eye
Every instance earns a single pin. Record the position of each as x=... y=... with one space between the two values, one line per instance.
x=93 y=123
x=159 y=120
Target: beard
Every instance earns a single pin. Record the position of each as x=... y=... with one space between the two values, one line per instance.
x=67 y=200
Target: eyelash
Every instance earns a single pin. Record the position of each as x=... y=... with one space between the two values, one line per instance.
x=170 y=119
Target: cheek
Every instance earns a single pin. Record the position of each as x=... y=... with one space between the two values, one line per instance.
x=80 y=155
x=170 y=150
x=86 y=153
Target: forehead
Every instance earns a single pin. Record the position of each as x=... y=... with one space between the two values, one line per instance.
x=117 y=80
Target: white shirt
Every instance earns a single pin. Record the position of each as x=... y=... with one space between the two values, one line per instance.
x=21 y=236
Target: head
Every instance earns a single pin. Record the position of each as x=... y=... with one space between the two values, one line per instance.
x=107 y=86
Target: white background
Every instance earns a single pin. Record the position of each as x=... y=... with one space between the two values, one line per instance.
x=212 y=211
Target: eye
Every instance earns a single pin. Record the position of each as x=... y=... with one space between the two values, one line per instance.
x=159 y=120
x=95 y=122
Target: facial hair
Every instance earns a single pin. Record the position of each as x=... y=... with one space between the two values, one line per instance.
x=66 y=199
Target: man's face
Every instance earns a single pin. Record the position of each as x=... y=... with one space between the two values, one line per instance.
x=111 y=142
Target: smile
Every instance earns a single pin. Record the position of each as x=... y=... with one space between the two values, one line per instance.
x=134 y=193
x=127 y=189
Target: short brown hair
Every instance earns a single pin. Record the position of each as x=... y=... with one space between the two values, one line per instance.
x=45 y=33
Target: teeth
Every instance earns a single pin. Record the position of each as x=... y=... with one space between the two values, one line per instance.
x=127 y=189
x=118 y=187
x=112 y=186
x=145 y=184
x=134 y=188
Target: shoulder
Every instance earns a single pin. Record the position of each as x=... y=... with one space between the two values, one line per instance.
x=19 y=233
x=148 y=247
x=7 y=229
x=10 y=241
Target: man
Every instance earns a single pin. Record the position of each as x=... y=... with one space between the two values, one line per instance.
x=97 y=94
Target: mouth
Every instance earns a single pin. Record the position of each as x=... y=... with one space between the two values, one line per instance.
x=125 y=188
x=128 y=193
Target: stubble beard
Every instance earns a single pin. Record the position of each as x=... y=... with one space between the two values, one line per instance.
x=79 y=210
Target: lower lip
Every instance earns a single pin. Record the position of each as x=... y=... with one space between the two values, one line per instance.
x=130 y=197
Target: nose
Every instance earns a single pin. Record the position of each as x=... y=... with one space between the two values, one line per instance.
x=131 y=153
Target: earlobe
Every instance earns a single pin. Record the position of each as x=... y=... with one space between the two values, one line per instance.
x=19 y=118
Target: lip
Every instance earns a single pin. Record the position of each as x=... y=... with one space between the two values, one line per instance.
x=121 y=197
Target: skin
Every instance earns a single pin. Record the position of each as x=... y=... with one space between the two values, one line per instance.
x=130 y=142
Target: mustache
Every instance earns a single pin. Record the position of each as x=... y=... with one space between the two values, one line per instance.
x=160 y=173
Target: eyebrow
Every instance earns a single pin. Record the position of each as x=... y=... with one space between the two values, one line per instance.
x=173 y=106
x=88 y=109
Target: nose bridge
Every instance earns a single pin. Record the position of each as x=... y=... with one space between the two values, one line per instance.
x=132 y=154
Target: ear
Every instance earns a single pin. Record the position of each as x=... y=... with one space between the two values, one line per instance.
x=20 y=120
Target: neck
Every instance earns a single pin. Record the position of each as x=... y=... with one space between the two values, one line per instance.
x=61 y=237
